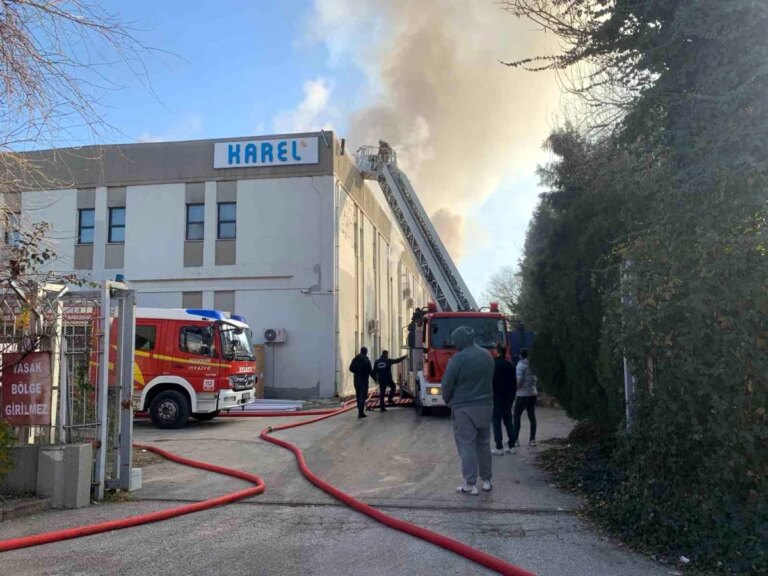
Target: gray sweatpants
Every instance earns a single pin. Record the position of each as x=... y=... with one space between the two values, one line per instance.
x=472 y=432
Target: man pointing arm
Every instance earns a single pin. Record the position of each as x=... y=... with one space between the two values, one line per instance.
x=383 y=369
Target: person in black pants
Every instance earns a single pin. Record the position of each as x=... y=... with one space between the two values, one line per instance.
x=362 y=369
x=383 y=374
x=526 y=397
x=504 y=389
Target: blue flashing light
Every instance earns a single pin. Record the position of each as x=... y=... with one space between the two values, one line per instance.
x=212 y=314
x=238 y=318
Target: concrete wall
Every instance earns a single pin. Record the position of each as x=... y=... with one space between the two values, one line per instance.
x=158 y=163
x=22 y=479
x=282 y=277
x=315 y=253
x=59 y=209
x=374 y=269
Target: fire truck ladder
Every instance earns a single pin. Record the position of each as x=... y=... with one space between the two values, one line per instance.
x=445 y=283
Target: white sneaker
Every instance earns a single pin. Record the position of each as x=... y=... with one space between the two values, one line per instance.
x=467 y=489
x=532 y=444
x=509 y=450
x=487 y=486
x=497 y=452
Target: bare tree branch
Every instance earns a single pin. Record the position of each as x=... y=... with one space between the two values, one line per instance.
x=55 y=62
x=504 y=288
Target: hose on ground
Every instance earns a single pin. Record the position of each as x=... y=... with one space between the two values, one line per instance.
x=69 y=533
x=492 y=562
x=473 y=554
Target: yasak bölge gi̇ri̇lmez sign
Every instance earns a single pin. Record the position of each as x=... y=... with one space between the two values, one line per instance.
x=26 y=397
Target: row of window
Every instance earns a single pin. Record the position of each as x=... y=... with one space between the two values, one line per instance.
x=226 y=221
x=195 y=226
x=86 y=220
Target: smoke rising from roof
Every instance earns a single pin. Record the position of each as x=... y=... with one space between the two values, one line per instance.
x=458 y=119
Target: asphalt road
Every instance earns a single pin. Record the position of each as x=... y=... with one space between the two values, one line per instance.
x=399 y=462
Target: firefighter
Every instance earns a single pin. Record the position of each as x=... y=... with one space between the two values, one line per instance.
x=362 y=369
x=383 y=374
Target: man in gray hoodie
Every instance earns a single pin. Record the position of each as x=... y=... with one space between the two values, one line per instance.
x=468 y=390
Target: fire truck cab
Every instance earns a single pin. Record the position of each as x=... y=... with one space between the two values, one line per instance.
x=191 y=362
x=430 y=348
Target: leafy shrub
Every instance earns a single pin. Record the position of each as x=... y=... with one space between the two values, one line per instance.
x=7 y=441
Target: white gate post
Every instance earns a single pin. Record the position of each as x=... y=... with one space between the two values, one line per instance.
x=102 y=393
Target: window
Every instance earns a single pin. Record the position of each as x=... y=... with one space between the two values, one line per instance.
x=488 y=331
x=12 y=224
x=224 y=301
x=227 y=220
x=195 y=221
x=85 y=226
x=196 y=340
x=116 y=225
x=146 y=336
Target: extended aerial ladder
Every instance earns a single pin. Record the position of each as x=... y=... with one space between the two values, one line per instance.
x=443 y=279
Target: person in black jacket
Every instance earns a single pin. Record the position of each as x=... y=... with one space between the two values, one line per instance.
x=383 y=374
x=362 y=369
x=504 y=390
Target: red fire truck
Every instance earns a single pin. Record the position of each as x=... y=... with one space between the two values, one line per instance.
x=430 y=347
x=191 y=362
x=430 y=331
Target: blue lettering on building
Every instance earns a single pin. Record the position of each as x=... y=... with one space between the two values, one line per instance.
x=266 y=152
x=234 y=154
x=250 y=154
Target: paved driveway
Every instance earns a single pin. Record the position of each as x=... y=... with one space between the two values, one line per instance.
x=396 y=461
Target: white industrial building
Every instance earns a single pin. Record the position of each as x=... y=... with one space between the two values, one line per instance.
x=279 y=229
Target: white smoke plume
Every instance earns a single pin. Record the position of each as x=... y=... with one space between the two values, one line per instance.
x=459 y=120
x=450 y=228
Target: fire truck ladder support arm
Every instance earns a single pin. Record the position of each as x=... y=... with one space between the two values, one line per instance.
x=443 y=278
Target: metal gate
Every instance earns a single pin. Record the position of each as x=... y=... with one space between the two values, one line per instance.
x=90 y=335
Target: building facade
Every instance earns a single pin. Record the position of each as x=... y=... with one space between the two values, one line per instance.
x=279 y=229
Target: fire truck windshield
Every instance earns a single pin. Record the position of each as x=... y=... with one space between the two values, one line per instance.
x=488 y=331
x=236 y=343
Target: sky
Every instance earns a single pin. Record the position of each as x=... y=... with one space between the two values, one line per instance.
x=423 y=75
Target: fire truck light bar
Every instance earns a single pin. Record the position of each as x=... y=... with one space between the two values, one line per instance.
x=212 y=314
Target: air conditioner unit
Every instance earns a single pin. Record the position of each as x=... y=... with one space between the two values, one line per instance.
x=373 y=326
x=275 y=335
x=406 y=292
x=409 y=303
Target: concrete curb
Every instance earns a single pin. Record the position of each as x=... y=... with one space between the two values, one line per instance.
x=13 y=509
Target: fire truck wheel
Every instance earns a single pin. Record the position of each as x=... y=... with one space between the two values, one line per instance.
x=205 y=416
x=421 y=410
x=169 y=409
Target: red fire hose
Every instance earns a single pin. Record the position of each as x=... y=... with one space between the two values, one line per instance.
x=58 y=535
x=473 y=554
x=477 y=556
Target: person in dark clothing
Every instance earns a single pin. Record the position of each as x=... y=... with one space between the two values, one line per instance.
x=362 y=369
x=527 y=392
x=383 y=374
x=504 y=389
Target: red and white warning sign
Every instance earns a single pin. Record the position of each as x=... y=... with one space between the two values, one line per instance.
x=26 y=398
